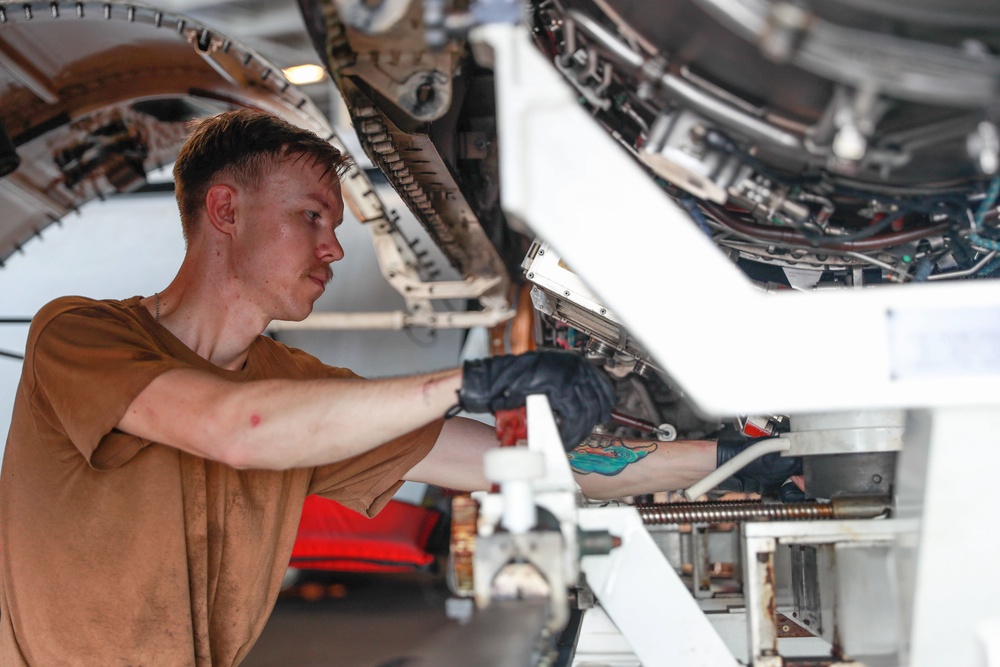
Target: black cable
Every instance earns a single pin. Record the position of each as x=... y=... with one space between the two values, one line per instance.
x=865 y=233
x=11 y=355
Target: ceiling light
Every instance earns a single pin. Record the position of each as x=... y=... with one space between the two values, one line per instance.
x=300 y=75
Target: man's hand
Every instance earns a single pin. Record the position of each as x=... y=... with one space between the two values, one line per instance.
x=766 y=474
x=579 y=395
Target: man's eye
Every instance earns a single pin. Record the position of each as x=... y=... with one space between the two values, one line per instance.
x=312 y=215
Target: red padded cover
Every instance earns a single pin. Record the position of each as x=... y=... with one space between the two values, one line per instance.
x=332 y=537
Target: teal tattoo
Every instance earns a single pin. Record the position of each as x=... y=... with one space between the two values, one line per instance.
x=606 y=455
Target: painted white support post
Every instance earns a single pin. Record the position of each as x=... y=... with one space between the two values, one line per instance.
x=758 y=581
x=645 y=597
x=947 y=469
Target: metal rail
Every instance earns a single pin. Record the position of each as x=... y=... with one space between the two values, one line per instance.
x=859 y=507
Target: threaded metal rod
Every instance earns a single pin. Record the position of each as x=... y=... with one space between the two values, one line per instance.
x=732 y=511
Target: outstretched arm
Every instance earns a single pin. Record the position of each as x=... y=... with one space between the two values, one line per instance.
x=604 y=466
x=280 y=424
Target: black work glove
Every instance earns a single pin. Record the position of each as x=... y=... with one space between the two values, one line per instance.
x=791 y=493
x=764 y=475
x=579 y=395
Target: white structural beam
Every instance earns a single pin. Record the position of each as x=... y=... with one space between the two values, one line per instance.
x=733 y=348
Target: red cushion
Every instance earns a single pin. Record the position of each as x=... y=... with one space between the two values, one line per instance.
x=332 y=537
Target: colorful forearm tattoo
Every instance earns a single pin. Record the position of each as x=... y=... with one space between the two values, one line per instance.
x=606 y=455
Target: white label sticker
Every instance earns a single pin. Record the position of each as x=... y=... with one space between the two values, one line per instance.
x=941 y=342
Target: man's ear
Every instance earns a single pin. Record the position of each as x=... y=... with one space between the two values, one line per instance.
x=220 y=205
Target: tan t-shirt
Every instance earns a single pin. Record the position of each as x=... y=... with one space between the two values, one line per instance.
x=120 y=551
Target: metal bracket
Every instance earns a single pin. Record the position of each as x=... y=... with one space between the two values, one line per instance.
x=761 y=540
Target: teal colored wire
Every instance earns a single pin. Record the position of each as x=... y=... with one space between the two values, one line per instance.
x=983 y=242
x=991 y=197
x=990 y=268
x=984 y=207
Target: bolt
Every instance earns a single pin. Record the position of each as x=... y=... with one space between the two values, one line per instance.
x=530 y=276
x=877 y=479
x=541 y=251
x=604 y=311
x=785 y=628
x=565 y=292
x=425 y=93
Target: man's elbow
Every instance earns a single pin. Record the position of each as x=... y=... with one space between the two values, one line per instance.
x=238 y=433
x=236 y=454
x=250 y=452
x=225 y=439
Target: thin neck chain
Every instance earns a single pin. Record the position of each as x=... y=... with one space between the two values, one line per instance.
x=157 y=297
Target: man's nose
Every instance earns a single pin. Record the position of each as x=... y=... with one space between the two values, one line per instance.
x=330 y=250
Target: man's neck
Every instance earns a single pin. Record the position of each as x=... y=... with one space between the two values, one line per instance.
x=210 y=318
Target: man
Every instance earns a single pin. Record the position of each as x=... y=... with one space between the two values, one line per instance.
x=161 y=447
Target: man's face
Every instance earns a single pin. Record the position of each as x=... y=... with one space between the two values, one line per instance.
x=284 y=250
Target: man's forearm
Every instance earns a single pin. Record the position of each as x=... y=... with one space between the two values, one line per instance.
x=280 y=424
x=609 y=467
x=336 y=419
x=604 y=466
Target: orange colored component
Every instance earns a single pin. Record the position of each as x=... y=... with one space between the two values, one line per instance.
x=522 y=327
x=464 y=518
x=516 y=336
x=512 y=425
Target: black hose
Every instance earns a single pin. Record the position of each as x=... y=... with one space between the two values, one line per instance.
x=865 y=233
x=797 y=238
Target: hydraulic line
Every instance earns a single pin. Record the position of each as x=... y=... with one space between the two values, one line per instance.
x=797 y=238
x=856 y=507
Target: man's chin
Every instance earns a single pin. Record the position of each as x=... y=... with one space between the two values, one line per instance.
x=298 y=317
x=296 y=314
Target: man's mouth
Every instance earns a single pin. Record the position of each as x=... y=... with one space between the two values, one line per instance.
x=322 y=276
